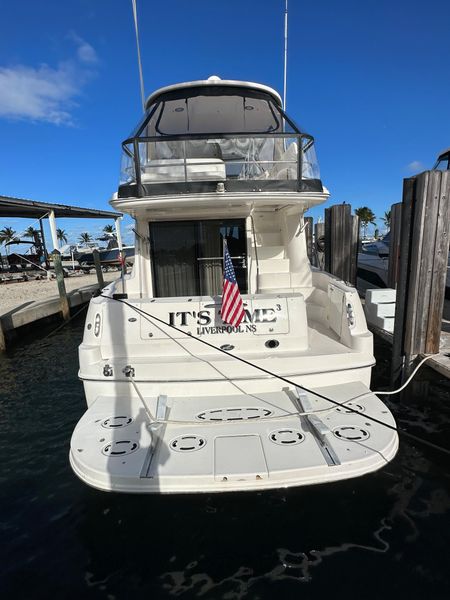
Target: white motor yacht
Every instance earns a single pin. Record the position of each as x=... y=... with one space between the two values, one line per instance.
x=179 y=400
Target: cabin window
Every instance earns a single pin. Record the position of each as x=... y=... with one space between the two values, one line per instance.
x=187 y=256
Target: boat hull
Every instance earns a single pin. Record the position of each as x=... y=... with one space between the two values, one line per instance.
x=107 y=257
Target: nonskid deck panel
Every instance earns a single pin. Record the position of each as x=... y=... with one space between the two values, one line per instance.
x=266 y=446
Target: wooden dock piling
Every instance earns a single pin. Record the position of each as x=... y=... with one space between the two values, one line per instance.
x=341 y=242
x=319 y=245
x=394 y=245
x=2 y=339
x=98 y=269
x=422 y=269
x=59 y=272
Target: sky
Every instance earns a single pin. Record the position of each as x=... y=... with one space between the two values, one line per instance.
x=370 y=80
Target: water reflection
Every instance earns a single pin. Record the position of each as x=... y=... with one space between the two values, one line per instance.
x=383 y=535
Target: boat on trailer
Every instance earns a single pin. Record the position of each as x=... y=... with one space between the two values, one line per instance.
x=110 y=256
x=180 y=401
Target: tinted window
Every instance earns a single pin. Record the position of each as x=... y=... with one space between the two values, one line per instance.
x=187 y=256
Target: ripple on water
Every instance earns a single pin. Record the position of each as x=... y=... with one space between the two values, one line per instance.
x=389 y=530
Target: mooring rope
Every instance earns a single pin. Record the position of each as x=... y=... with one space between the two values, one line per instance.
x=66 y=322
x=285 y=380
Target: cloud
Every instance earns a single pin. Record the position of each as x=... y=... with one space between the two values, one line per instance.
x=46 y=93
x=415 y=166
x=38 y=94
x=85 y=52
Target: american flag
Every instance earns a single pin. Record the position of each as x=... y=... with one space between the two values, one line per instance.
x=232 y=306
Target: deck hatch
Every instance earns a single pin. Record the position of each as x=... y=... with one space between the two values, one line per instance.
x=115 y=422
x=234 y=414
x=286 y=437
x=120 y=448
x=187 y=443
x=343 y=409
x=351 y=434
x=239 y=458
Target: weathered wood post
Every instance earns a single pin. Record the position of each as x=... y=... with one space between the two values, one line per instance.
x=422 y=269
x=98 y=269
x=394 y=244
x=59 y=272
x=309 y=238
x=319 y=244
x=341 y=242
x=2 y=338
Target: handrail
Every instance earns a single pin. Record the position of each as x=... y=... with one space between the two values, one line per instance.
x=256 y=250
x=139 y=164
x=221 y=257
x=219 y=136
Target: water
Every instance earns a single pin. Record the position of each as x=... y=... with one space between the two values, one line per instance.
x=385 y=535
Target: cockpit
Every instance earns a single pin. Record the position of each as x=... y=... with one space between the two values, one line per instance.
x=217 y=136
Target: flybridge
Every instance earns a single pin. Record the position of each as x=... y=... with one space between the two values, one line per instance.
x=217 y=136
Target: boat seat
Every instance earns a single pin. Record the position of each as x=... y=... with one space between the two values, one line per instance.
x=167 y=170
x=286 y=166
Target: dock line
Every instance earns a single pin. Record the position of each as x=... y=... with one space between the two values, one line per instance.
x=66 y=322
x=243 y=360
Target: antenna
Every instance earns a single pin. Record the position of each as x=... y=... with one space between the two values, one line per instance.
x=141 y=79
x=285 y=52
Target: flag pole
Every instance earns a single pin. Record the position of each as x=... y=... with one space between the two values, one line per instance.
x=224 y=245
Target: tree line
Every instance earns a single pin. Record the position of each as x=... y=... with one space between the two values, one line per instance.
x=8 y=235
x=367 y=217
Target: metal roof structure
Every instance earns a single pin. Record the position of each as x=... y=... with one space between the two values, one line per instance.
x=211 y=82
x=21 y=207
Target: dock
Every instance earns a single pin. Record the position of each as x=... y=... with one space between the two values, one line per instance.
x=30 y=314
x=18 y=313
x=438 y=362
x=413 y=313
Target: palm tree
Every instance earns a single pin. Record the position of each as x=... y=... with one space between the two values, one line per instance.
x=108 y=229
x=387 y=219
x=30 y=231
x=366 y=217
x=61 y=235
x=7 y=234
x=85 y=238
